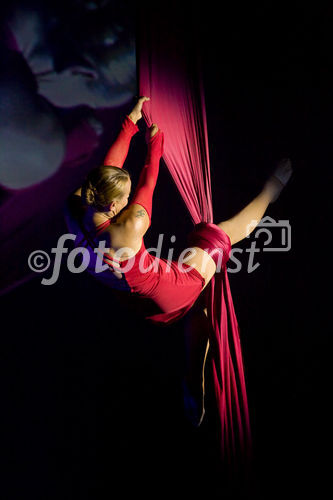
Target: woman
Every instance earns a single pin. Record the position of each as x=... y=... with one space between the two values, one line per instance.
x=99 y=212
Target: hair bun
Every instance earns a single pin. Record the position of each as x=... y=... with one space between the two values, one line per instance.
x=90 y=194
x=103 y=185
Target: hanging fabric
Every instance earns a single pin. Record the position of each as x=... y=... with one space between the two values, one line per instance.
x=170 y=76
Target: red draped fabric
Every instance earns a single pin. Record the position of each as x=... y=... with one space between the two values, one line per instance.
x=170 y=77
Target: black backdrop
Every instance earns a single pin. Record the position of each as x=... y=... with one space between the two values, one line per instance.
x=92 y=399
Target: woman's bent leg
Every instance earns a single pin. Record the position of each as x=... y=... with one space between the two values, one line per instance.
x=196 y=349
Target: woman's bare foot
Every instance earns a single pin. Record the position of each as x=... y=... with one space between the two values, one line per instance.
x=136 y=113
x=283 y=171
x=279 y=178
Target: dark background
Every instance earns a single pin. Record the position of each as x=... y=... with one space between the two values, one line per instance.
x=92 y=399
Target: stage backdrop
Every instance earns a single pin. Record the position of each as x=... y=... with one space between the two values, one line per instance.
x=68 y=73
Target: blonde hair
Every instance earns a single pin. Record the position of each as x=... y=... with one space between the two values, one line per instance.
x=103 y=185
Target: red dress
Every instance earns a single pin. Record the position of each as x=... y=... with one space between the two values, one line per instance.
x=172 y=291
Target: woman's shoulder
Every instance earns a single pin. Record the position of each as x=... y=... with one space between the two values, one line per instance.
x=121 y=233
x=131 y=223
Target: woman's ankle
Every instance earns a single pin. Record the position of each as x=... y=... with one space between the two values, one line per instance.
x=272 y=189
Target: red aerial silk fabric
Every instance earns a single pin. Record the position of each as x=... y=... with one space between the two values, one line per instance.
x=168 y=76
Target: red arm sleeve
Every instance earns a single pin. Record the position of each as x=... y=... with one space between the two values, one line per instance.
x=147 y=181
x=117 y=153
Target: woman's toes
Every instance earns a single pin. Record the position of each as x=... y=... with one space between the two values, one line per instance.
x=283 y=171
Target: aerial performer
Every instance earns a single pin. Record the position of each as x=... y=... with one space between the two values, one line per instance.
x=100 y=214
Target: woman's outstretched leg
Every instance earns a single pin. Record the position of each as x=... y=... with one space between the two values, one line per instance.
x=243 y=223
x=117 y=153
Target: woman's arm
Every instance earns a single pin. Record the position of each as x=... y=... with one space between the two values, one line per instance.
x=243 y=223
x=117 y=153
x=144 y=191
x=136 y=218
